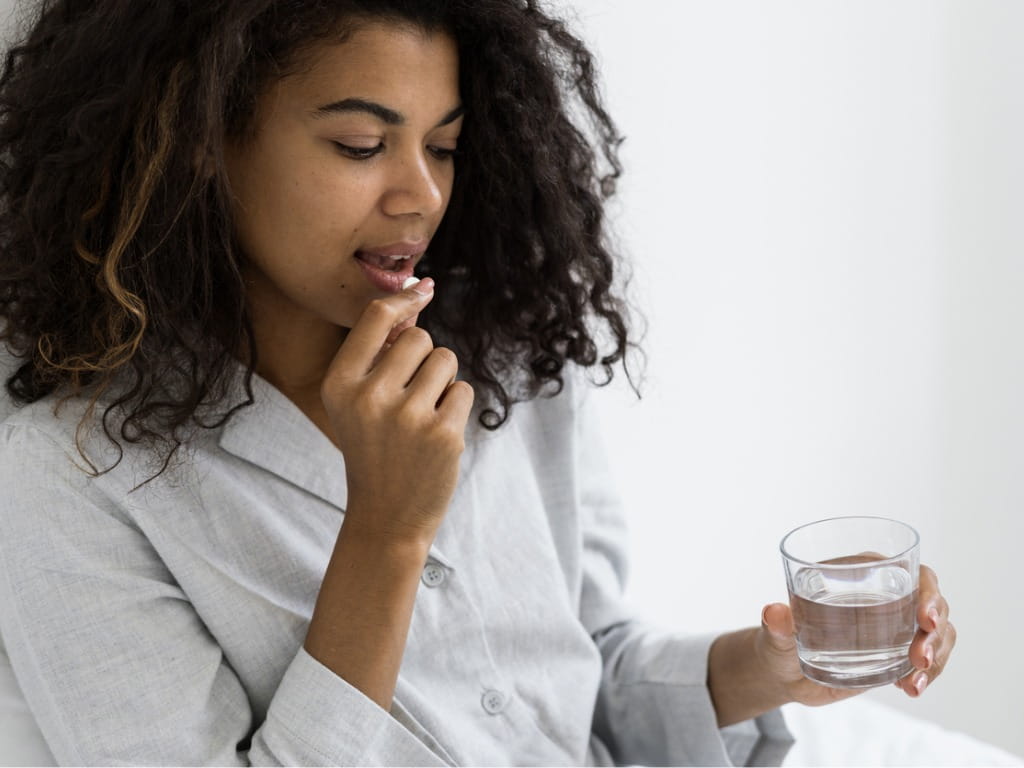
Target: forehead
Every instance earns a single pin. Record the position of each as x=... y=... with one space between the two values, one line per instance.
x=402 y=64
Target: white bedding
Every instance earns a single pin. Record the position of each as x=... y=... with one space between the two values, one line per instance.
x=863 y=732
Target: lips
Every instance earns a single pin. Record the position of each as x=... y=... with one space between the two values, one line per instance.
x=390 y=257
x=381 y=261
x=388 y=266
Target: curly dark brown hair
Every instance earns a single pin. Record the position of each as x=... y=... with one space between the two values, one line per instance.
x=117 y=246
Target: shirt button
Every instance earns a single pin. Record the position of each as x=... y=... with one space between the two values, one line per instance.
x=493 y=702
x=433 y=575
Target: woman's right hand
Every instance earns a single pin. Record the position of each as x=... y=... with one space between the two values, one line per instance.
x=399 y=417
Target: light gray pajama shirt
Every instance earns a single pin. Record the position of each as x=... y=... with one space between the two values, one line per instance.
x=165 y=624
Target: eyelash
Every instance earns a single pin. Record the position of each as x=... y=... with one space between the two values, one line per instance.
x=365 y=153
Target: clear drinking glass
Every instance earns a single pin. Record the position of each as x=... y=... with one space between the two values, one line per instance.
x=853 y=585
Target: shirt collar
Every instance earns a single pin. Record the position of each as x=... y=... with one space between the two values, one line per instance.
x=274 y=434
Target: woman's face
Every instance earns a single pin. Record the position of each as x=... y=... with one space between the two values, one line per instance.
x=350 y=165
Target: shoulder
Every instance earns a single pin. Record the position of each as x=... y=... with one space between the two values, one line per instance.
x=38 y=427
x=560 y=407
x=546 y=427
x=46 y=423
x=57 y=450
x=39 y=455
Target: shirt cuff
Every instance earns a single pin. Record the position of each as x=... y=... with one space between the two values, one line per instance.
x=317 y=718
x=765 y=740
x=662 y=711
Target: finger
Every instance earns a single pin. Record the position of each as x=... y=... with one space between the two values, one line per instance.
x=434 y=376
x=946 y=644
x=922 y=649
x=777 y=620
x=945 y=650
x=938 y=646
x=932 y=608
x=913 y=684
x=361 y=347
x=917 y=681
x=397 y=330
x=456 y=402
x=397 y=368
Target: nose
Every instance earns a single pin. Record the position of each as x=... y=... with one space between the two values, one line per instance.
x=417 y=186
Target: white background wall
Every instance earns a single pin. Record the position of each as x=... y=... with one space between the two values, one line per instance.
x=824 y=203
x=824 y=208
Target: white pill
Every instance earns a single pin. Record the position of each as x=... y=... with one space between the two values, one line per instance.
x=410 y=282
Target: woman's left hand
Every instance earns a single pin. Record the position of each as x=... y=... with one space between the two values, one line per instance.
x=929 y=652
x=935 y=638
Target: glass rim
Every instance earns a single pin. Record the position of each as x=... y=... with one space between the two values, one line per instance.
x=847 y=566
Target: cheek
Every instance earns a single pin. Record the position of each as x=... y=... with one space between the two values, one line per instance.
x=307 y=214
x=327 y=205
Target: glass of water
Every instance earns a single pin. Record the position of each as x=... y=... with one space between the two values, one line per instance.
x=853 y=589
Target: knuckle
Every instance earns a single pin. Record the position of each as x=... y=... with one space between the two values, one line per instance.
x=453 y=438
x=374 y=396
x=380 y=310
x=446 y=356
x=331 y=388
x=463 y=388
x=408 y=417
x=417 y=337
x=447 y=430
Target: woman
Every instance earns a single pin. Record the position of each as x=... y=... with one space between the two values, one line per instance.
x=263 y=503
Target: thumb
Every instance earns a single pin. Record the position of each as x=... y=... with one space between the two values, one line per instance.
x=777 y=621
x=412 y=290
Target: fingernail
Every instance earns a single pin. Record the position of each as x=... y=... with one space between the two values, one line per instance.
x=933 y=614
x=920 y=682
x=929 y=656
x=423 y=287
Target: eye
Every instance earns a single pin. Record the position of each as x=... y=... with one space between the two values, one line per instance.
x=443 y=154
x=358 y=153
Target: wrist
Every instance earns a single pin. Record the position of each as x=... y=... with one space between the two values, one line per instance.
x=362 y=526
x=361 y=618
x=742 y=679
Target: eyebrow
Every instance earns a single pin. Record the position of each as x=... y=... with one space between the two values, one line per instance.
x=382 y=113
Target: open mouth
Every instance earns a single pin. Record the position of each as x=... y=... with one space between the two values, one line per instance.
x=387 y=263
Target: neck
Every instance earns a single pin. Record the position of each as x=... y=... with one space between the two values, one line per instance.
x=294 y=357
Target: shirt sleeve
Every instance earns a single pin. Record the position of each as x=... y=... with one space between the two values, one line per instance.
x=654 y=706
x=114 y=661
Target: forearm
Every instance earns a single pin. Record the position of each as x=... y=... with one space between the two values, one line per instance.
x=739 y=681
x=361 y=620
